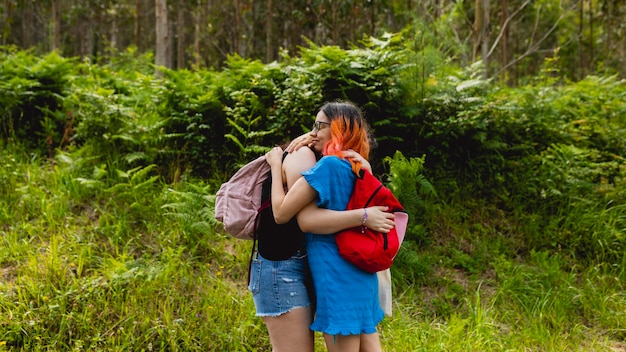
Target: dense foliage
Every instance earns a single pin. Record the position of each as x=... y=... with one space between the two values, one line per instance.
x=109 y=173
x=541 y=148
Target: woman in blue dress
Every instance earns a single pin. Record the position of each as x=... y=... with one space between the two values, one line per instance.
x=347 y=307
x=279 y=272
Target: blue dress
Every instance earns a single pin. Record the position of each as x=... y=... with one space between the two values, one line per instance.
x=346 y=296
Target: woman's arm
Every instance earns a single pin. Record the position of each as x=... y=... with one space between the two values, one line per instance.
x=286 y=206
x=295 y=163
x=351 y=154
x=328 y=222
x=300 y=198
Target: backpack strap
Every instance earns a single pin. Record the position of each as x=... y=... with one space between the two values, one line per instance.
x=254 y=250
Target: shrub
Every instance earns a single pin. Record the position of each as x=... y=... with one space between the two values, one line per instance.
x=32 y=90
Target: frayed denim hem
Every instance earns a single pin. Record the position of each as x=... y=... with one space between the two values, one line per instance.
x=274 y=315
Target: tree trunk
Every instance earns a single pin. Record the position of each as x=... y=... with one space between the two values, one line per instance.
x=372 y=22
x=608 y=26
x=292 y=37
x=114 y=28
x=55 y=42
x=197 y=34
x=269 y=55
x=5 y=22
x=477 y=29
x=180 y=37
x=236 y=30
x=162 y=51
x=581 y=18
x=334 y=30
x=27 y=21
x=138 y=19
x=485 y=38
x=83 y=45
x=590 y=60
x=504 y=42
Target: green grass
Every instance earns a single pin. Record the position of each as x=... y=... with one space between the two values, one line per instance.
x=127 y=263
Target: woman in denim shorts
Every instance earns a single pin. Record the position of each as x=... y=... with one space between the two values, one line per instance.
x=280 y=280
x=347 y=307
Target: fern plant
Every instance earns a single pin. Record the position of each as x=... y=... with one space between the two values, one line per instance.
x=413 y=190
x=32 y=90
x=245 y=119
x=192 y=208
x=415 y=193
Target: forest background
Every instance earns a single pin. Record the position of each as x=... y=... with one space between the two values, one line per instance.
x=499 y=125
x=511 y=37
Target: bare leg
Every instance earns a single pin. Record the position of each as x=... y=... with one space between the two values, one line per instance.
x=370 y=343
x=342 y=343
x=290 y=331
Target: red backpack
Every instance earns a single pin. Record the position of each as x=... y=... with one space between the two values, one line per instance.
x=367 y=249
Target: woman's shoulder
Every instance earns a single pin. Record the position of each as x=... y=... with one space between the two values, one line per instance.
x=302 y=158
x=304 y=151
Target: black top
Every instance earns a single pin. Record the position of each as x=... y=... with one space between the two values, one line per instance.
x=277 y=242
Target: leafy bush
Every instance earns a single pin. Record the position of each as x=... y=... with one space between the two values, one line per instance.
x=32 y=90
x=406 y=180
x=493 y=142
x=204 y=123
x=580 y=200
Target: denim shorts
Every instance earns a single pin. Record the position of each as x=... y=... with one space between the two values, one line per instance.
x=279 y=286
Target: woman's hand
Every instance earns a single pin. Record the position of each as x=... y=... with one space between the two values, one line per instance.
x=305 y=140
x=274 y=156
x=351 y=154
x=378 y=219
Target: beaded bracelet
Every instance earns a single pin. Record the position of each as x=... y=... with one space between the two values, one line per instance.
x=363 y=227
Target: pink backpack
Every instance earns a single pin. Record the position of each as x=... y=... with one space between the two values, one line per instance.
x=238 y=200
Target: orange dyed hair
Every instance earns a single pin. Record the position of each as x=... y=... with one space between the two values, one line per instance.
x=348 y=130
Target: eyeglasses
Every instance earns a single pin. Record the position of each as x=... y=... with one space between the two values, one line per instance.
x=318 y=125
